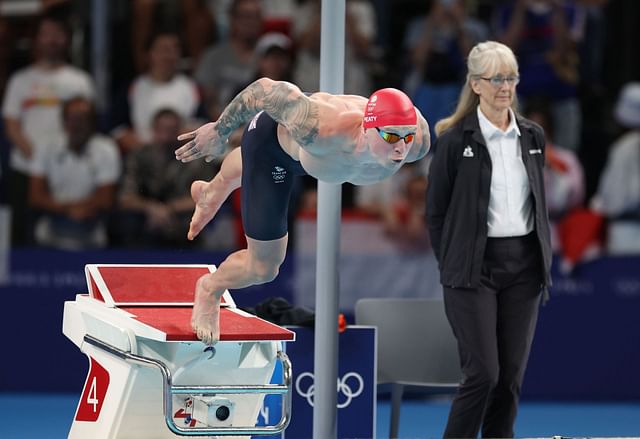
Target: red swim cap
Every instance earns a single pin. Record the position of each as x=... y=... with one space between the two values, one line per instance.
x=389 y=106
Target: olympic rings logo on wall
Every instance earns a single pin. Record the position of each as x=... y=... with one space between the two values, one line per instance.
x=350 y=385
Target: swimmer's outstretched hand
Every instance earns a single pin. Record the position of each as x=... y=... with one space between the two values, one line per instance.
x=203 y=142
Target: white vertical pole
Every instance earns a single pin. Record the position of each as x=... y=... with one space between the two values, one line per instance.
x=329 y=201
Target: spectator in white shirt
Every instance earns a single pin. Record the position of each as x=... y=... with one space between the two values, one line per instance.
x=618 y=195
x=31 y=110
x=73 y=182
x=231 y=63
x=162 y=86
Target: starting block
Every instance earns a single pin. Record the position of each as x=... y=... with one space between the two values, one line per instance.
x=150 y=377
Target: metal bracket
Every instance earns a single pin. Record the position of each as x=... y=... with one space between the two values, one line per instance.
x=169 y=390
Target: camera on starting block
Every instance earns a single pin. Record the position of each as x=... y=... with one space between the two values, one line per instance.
x=213 y=411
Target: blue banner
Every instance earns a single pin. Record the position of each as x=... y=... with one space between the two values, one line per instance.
x=587 y=344
x=356 y=385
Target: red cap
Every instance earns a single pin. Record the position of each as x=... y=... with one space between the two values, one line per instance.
x=389 y=106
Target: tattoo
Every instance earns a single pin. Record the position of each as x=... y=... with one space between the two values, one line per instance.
x=238 y=112
x=296 y=112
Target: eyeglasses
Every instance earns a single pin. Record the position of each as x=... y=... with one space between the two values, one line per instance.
x=394 y=138
x=498 y=80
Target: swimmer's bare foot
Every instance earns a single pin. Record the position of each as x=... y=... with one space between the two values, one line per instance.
x=208 y=200
x=205 y=318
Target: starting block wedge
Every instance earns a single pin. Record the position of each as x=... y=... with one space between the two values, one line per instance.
x=149 y=376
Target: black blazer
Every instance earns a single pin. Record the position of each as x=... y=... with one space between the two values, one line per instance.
x=458 y=199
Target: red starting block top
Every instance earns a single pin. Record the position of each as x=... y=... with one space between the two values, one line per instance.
x=161 y=296
x=157 y=285
x=235 y=325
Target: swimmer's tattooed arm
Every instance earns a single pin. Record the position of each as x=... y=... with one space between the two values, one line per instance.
x=283 y=101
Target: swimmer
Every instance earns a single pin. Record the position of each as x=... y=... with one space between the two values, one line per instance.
x=333 y=138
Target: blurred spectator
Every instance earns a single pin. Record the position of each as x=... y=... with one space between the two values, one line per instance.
x=405 y=221
x=399 y=202
x=438 y=52
x=162 y=86
x=278 y=15
x=6 y=43
x=155 y=199
x=618 y=195
x=598 y=66
x=193 y=17
x=50 y=4
x=73 y=182
x=33 y=7
x=230 y=64
x=359 y=30
x=275 y=57
x=563 y=174
x=31 y=110
x=376 y=198
x=544 y=34
x=592 y=48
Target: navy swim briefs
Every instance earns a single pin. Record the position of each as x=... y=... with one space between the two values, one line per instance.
x=268 y=174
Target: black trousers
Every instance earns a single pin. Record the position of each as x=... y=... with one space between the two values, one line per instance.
x=494 y=325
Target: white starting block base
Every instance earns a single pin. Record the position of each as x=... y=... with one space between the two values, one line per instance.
x=150 y=378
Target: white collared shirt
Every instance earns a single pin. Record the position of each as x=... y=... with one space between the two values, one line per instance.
x=510 y=205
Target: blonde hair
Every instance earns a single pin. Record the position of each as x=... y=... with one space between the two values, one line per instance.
x=484 y=58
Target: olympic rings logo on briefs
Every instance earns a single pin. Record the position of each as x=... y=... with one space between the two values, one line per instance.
x=350 y=385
